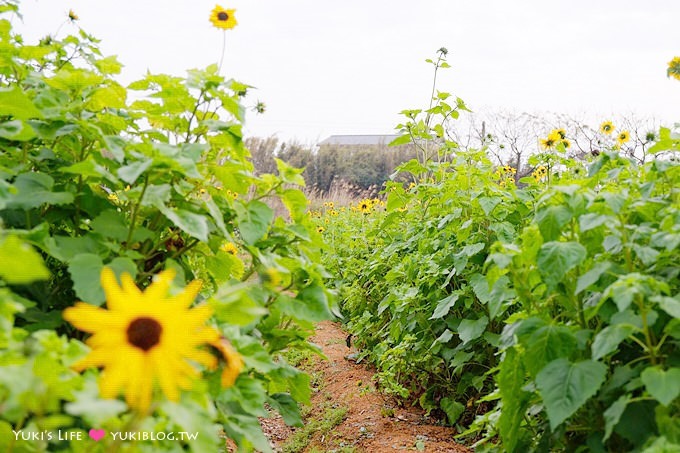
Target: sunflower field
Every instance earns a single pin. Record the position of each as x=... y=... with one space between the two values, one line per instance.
x=147 y=290
x=150 y=293
x=539 y=313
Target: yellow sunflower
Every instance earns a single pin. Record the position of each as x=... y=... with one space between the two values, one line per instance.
x=320 y=229
x=144 y=338
x=566 y=143
x=548 y=143
x=230 y=248
x=365 y=206
x=234 y=361
x=674 y=68
x=223 y=18
x=561 y=132
x=607 y=127
x=623 y=137
x=72 y=16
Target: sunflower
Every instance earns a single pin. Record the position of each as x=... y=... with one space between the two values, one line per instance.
x=566 y=143
x=234 y=361
x=223 y=18
x=271 y=277
x=607 y=127
x=145 y=337
x=623 y=137
x=320 y=229
x=548 y=143
x=72 y=16
x=230 y=248
x=365 y=206
x=674 y=68
x=561 y=132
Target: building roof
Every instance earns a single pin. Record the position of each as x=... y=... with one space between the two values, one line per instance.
x=356 y=140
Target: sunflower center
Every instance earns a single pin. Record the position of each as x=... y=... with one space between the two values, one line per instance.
x=222 y=16
x=144 y=333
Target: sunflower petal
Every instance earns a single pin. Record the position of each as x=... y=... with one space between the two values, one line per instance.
x=88 y=318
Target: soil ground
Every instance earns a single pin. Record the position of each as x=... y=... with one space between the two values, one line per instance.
x=347 y=413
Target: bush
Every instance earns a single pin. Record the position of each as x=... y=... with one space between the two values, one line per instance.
x=90 y=181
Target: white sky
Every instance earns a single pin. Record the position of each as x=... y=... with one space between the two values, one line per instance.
x=350 y=67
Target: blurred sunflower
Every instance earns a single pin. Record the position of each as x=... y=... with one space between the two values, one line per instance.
x=145 y=337
x=320 y=229
x=561 y=132
x=234 y=361
x=566 y=143
x=607 y=127
x=548 y=143
x=230 y=248
x=674 y=68
x=223 y=18
x=623 y=137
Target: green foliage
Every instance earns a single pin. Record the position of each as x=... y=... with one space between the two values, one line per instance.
x=543 y=316
x=90 y=179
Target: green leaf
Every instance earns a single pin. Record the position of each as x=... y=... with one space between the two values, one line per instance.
x=130 y=173
x=289 y=174
x=670 y=305
x=444 y=305
x=489 y=203
x=16 y=130
x=555 y=259
x=545 y=344
x=15 y=103
x=452 y=408
x=195 y=225
x=551 y=220
x=295 y=201
x=591 y=220
x=85 y=270
x=287 y=407
x=35 y=189
x=609 y=339
x=20 y=264
x=592 y=276
x=469 y=329
x=254 y=221
x=511 y=380
x=402 y=140
x=566 y=386
x=613 y=414
x=314 y=300
x=664 y=386
x=111 y=224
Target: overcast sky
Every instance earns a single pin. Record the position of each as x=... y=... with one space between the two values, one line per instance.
x=349 y=67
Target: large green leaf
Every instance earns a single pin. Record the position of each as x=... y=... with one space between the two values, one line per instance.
x=544 y=343
x=511 y=380
x=555 y=259
x=254 y=221
x=609 y=339
x=85 y=270
x=566 y=386
x=469 y=329
x=20 y=264
x=452 y=408
x=664 y=386
x=35 y=189
x=444 y=305
x=551 y=220
x=613 y=414
x=195 y=225
x=15 y=103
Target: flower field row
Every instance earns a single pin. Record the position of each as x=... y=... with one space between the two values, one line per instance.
x=539 y=313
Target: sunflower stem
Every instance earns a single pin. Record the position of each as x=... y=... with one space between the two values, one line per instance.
x=224 y=48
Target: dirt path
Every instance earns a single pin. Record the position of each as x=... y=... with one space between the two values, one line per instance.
x=348 y=415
